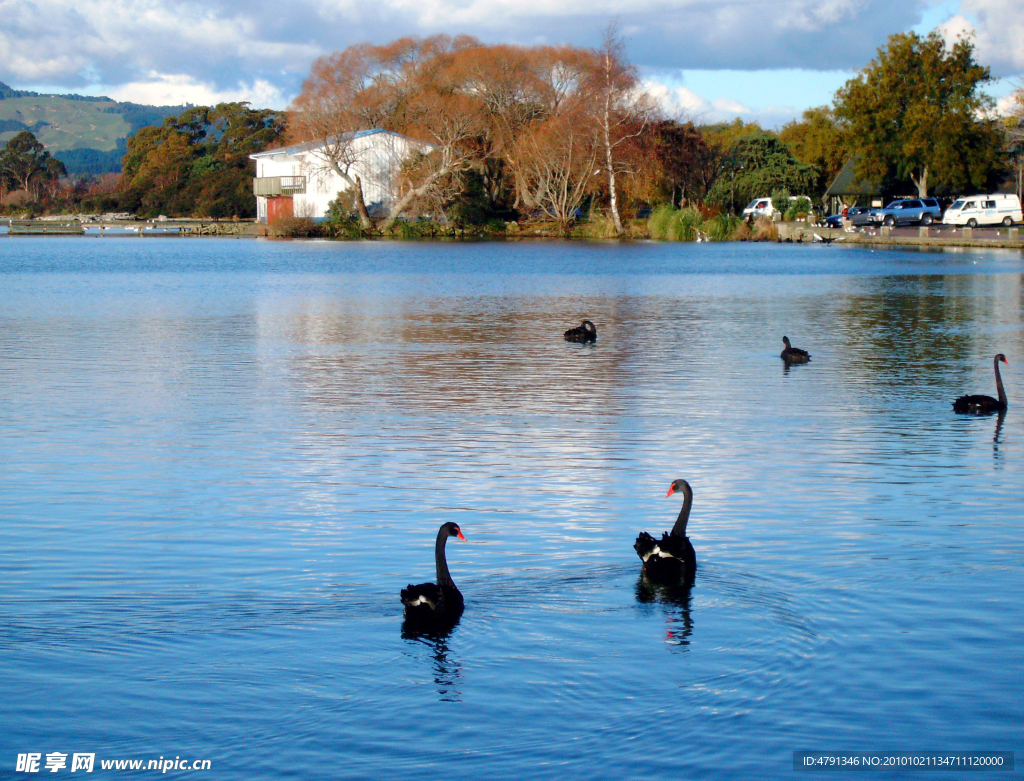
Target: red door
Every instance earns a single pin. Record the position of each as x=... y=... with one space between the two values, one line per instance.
x=279 y=207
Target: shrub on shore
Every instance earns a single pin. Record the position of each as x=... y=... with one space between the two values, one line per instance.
x=722 y=227
x=798 y=209
x=657 y=223
x=764 y=230
x=295 y=228
x=668 y=223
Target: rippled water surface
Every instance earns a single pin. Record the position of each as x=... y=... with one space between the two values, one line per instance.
x=221 y=460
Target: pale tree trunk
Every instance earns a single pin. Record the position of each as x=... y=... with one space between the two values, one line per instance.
x=523 y=196
x=364 y=216
x=405 y=200
x=608 y=142
x=921 y=183
x=357 y=188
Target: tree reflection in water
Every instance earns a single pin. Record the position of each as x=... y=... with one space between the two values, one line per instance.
x=674 y=601
x=447 y=672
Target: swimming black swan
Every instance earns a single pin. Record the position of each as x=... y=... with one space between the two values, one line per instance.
x=585 y=332
x=793 y=354
x=435 y=603
x=984 y=405
x=671 y=558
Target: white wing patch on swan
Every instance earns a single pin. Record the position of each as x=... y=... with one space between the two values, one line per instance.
x=421 y=600
x=650 y=553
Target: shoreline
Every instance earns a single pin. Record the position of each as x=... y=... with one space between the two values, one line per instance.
x=789 y=232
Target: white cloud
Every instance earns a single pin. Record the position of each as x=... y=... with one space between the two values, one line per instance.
x=998 y=28
x=261 y=49
x=729 y=106
x=1008 y=104
x=684 y=104
x=121 y=41
x=677 y=101
x=177 y=89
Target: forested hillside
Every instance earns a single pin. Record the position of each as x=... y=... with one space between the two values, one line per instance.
x=88 y=134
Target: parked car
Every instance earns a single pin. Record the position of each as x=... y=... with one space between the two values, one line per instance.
x=908 y=210
x=857 y=215
x=978 y=210
x=759 y=207
x=763 y=207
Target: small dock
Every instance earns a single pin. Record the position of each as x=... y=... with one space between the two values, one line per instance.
x=72 y=226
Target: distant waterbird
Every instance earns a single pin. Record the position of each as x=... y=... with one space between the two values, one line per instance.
x=791 y=354
x=583 y=333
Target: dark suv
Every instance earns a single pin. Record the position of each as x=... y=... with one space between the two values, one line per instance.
x=902 y=212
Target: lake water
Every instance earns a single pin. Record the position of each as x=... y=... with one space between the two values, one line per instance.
x=222 y=460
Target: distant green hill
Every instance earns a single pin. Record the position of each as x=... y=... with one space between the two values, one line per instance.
x=87 y=134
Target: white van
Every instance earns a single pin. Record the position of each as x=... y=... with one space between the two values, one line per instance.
x=762 y=207
x=759 y=207
x=984 y=210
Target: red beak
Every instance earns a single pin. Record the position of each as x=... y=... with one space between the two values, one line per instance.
x=1006 y=362
x=671 y=490
x=459 y=535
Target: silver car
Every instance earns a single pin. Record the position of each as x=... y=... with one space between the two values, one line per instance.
x=855 y=215
x=910 y=210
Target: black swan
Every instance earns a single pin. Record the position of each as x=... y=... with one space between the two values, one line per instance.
x=585 y=332
x=671 y=558
x=985 y=405
x=793 y=354
x=435 y=603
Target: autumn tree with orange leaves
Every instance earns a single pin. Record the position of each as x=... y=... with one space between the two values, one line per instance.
x=534 y=124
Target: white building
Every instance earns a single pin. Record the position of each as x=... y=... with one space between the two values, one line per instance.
x=299 y=181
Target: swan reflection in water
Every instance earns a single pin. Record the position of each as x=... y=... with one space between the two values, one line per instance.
x=447 y=671
x=674 y=601
x=787 y=365
x=999 y=430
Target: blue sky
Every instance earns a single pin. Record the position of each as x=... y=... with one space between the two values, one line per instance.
x=764 y=60
x=775 y=96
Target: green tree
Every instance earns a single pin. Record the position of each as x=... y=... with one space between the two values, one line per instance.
x=755 y=166
x=26 y=163
x=917 y=111
x=197 y=163
x=724 y=135
x=817 y=140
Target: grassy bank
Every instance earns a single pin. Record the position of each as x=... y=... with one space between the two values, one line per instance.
x=666 y=223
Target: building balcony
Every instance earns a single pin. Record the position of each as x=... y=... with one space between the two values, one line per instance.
x=278 y=185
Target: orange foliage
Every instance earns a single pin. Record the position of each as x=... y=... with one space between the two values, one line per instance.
x=503 y=112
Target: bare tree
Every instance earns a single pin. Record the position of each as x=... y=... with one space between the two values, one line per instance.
x=625 y=110
x=559 y=162
x=1013 y=124
x=451 y=122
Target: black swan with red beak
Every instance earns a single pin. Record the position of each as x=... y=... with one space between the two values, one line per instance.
x=585 y=332
x=671 y=558
x=433 y=604
x=979 y=404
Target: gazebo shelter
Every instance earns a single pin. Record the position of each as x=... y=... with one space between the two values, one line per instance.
x=847 y=190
